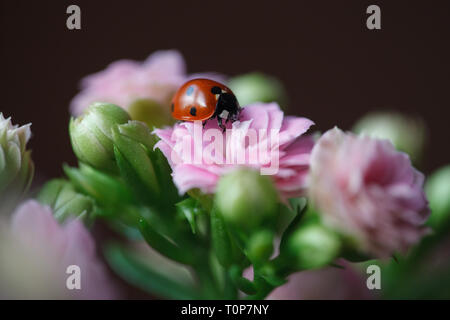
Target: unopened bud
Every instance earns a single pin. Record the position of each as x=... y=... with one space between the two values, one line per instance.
x=65 y=201
x=406 y=133
x=312 y=246
x=247 y=200
x=91 y=135
x=16 y=166
x=257 y=87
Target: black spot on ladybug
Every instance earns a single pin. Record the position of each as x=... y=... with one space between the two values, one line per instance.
x=193 y=111
x=172 y=107
x=216 y=90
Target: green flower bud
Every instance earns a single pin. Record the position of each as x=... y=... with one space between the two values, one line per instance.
x=260 y=246
x=257 y=87
x=247 y=200
x=66 y=202
x=16 y=166
x=312 y=246
x=150 y=112
x=407 y=134
x=91 y=135
x=438 y=192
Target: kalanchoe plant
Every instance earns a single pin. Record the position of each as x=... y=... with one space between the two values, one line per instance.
x=16 y=166
x=218 y=219
x=302 y=204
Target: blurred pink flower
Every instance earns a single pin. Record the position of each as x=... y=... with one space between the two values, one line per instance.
x=41 y=249
x=125 y=81
x=325 y=284
x=369 y=191
x=287 y=149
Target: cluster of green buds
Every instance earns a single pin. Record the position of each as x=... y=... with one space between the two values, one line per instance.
x=16 y=166
x=116 y=153
x=248 y=215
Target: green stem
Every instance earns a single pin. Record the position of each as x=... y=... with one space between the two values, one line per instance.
x=241 y=282
x=220 y=238
x=207 y=281
x=264 y=288
x=164 y=246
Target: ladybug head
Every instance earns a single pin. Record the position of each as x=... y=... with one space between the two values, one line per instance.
x=216 y=90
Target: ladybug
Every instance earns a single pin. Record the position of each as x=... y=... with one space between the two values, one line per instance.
x=204 y=99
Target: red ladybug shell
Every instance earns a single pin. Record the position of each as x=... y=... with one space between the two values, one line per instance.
x=195 y=101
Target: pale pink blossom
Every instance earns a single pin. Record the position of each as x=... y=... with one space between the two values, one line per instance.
x=287 y=153
x=369 y=191
x=36 y=254
x=125 y=81
x=329 y=283
x=324 y=284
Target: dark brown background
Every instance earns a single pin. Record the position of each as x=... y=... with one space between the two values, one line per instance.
x=334 y=68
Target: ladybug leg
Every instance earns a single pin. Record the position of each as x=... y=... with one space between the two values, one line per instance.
x=204 y=123
x=221 y=126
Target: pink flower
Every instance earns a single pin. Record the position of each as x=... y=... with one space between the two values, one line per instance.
x=369 y=191
x=286 y=159
x=125 y=81
x=38 y=252
x=325 y=284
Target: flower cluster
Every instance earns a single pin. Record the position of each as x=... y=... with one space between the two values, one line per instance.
x=264 y=194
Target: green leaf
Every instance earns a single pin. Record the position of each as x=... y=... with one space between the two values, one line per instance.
x=190 y=209
x=136 y=272
x=164 y=246
x=139 y=132
x=240 y=282
x=298 y=207
x=107 y=190
x=163 y=174
x=135 y=161
x=139 y=188
x=221 y=240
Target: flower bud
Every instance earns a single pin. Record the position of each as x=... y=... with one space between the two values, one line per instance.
x=406 y=133
x=151 y=112
x=257 y=87
x=66 y=203
x=247 y=200
x=312 y=246
x=16 y=166
x=438 y=191
x=91 y=135
x=260 y=246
